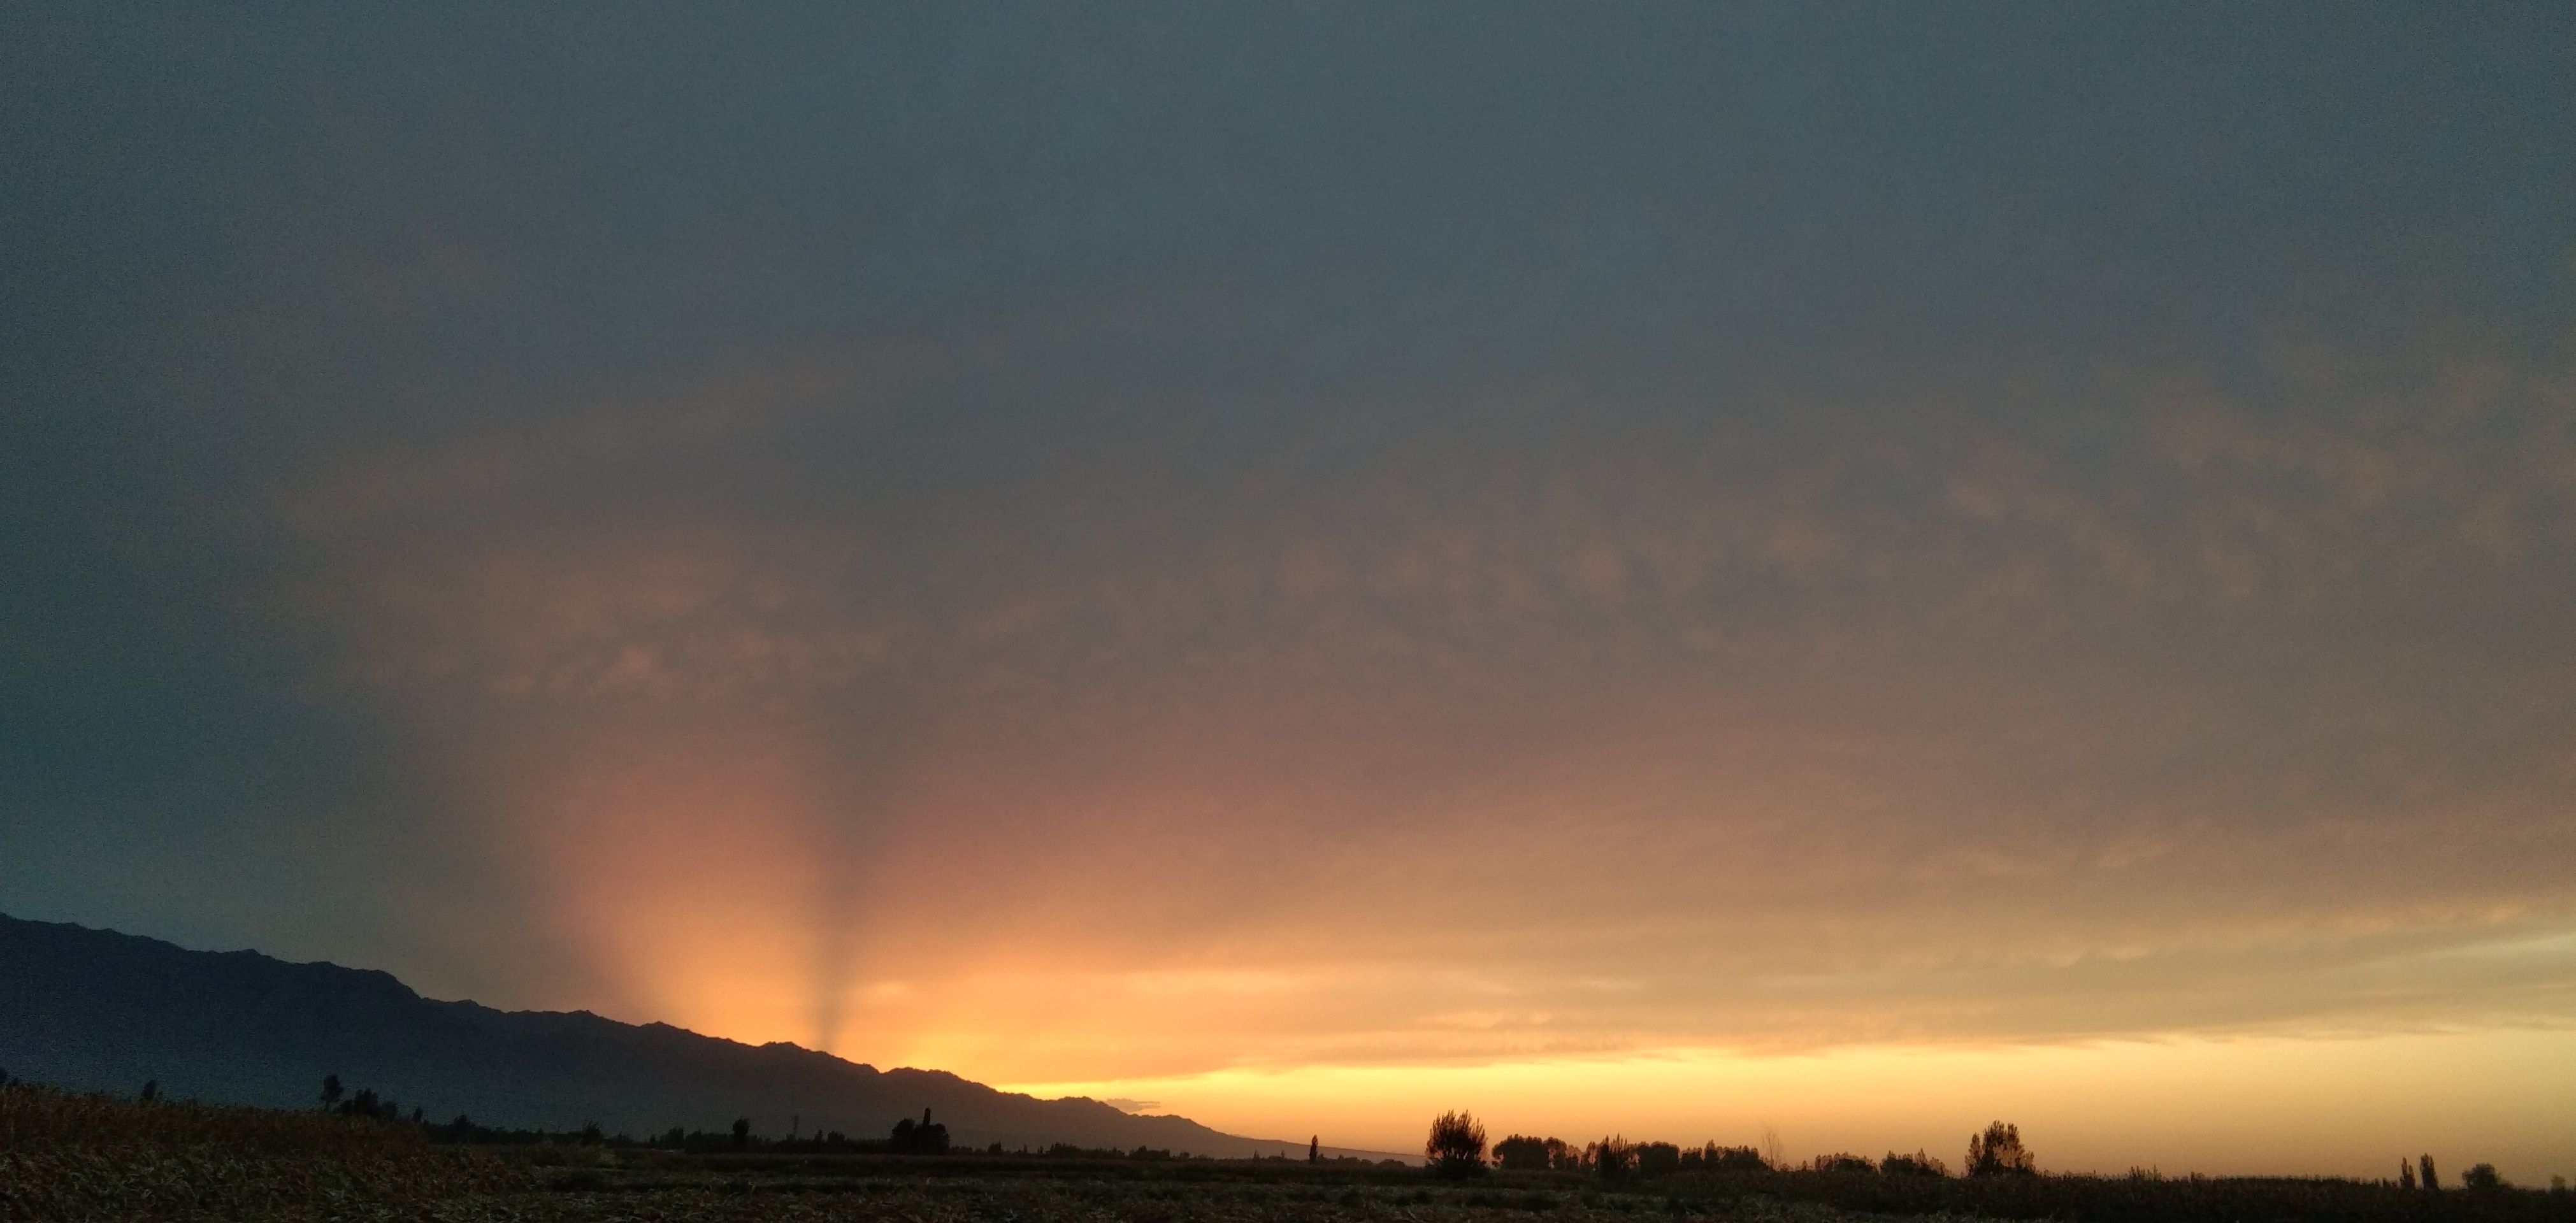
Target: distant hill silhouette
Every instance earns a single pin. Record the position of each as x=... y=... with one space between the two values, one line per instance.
x=97 y=1010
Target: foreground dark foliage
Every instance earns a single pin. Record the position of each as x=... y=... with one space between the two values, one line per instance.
x=64 y=1156
x=2128 y=1199
x=72 y=1157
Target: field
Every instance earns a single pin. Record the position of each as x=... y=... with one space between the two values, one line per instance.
x=77 y=1157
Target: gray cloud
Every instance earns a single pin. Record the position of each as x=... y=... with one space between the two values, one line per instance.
x=1558 y=530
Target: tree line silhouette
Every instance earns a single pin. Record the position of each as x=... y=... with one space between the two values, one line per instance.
x=906 y=1137
x=1456 y=1147
x=366 y=1103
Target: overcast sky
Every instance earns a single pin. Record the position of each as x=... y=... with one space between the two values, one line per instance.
x=1112 y=545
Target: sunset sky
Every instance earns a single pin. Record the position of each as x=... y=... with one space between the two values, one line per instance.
x=1838 y=572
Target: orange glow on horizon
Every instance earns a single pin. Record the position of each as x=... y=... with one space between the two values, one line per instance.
x=2275 y=1106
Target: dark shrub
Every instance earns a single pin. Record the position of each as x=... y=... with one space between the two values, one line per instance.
x=1998 y=1152
x=1522 y=1153
x=926 y=1137
x=1456 y=1146
x=1656 y=1158
x=1917 y=1164
x=1736 y=1159
x=1610 y=1157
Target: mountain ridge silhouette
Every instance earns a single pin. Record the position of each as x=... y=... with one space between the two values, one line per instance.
x=98 y=1010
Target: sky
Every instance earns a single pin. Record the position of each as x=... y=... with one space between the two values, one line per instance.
x=1808 y=574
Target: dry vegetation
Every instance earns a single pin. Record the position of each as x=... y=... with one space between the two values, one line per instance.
x=85 y=1157
x=81 y=1157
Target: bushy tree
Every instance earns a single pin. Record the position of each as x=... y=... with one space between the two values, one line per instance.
x=330 y=1090
x=925 y=1137
x=742 y=1131
x=1456 y=1146
x=1609 y=1157
x=1522 y=1153
x=1998 y=1152
x=1734 y=1159
x=2481 y=1176
x=1920 y=1163
x=1656 y=1158
x=1845 y=1162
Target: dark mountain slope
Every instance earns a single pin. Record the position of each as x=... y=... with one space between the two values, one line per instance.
x=92 y=1009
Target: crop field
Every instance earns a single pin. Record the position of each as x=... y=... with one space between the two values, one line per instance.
x=80 y=1157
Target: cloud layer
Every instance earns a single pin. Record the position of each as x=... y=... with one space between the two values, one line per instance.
x=1124 y=548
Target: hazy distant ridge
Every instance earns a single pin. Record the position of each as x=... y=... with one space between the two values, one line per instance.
x=94 y=1009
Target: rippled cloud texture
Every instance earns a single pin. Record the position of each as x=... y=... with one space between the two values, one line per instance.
x=1174 y=540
